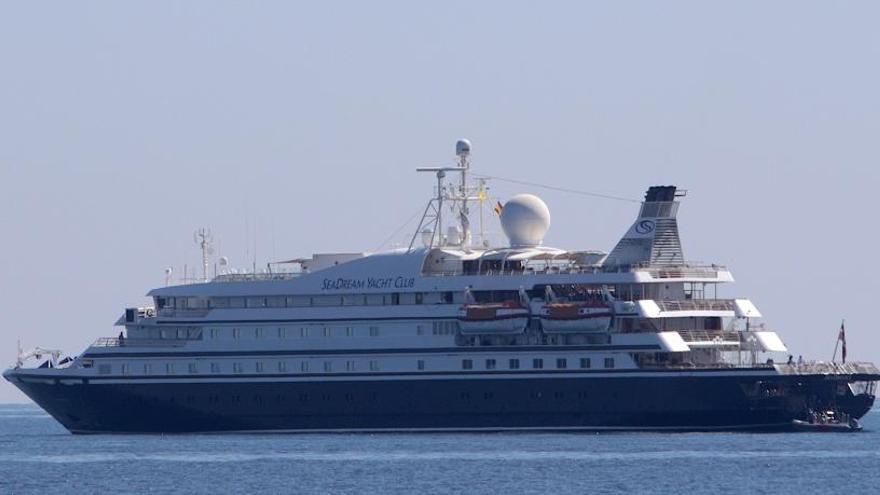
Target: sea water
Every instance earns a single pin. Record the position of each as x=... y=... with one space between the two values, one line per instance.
x=38 y=456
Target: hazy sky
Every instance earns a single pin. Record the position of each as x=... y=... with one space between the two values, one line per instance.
x=126 y=125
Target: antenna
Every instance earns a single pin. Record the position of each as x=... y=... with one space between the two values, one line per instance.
x=204 y=239
x=458 y=196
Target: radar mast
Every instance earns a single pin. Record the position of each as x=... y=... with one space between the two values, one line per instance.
x=431 y=225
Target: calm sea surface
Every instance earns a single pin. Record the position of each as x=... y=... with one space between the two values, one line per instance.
x=38 y=456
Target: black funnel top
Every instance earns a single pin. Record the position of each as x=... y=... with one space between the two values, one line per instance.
x=660 y=193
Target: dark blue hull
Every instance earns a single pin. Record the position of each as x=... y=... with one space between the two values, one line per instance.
x=562 y=402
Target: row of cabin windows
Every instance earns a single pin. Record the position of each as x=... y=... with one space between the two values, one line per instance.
x=537 y=363
x=438 y=328
x=283 y=333
x=259 y=366
x=392 y=299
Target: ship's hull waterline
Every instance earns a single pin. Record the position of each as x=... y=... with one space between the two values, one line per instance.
x=622 y=401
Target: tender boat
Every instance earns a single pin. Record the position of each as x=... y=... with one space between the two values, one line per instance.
x=508 y=317
x=576 y=317
x=829 y=427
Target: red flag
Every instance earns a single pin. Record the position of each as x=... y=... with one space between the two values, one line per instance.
x=842 y=338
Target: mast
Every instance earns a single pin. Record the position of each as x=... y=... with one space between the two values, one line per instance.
x=432 y=218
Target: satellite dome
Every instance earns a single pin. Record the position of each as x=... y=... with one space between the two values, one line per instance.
x=525 y=219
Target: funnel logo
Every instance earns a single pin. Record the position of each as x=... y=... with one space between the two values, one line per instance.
x=645 y=227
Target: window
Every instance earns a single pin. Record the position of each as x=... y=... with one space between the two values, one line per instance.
x=374 y=365
x=275 y=301
x=126 y=369
x=585 y=363
x=258 y=333
x=419 y=298
x=349 y=332
x=237 y=368
x=328 y=366
x=490 y=364
x=395 y=298
x=467 y=364
x=282 y=333
x=259 y=366
x=609 y=362
x=447 y=297
x=326 y=331
x=214 y=332
x=420 y=364
x=148 y=368
x=349 y=366
x=215 y=367
x=236 y=333
x=514 y=364
x=304 y=332
x=193 y=368
x=419 y=330
x=537 y=363
x=304 y=367
x=282 y=366
x=104 y=369
x=169 y=368
x=374 y=331
x=236 y=302
x=561 y=363
x=256 y=302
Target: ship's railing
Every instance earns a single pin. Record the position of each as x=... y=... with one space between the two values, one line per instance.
x=824 y=367
x=683 y=271
x=696 y=305
x=709 y=335
x=250 y=277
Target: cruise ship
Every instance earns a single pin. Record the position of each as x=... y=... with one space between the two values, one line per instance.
x=452 y=333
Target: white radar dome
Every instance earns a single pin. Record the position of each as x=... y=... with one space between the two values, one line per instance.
x=525 y=219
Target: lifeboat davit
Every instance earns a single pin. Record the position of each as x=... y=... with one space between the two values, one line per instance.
x=509 y=317
x=575 y=317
